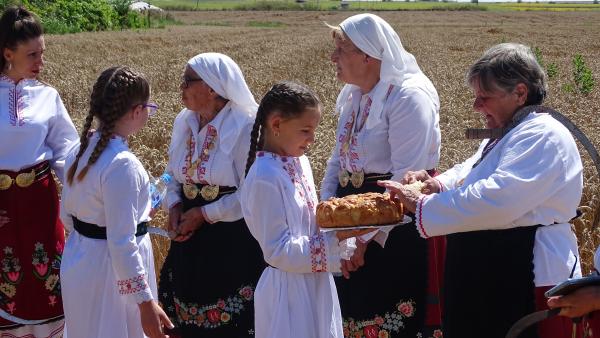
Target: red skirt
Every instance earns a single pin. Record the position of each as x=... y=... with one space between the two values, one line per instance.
x=557 y=326
x=31 y=246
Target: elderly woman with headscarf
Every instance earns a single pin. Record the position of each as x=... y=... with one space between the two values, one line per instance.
x=208 y=278
x=505 y=211
x=388 y=124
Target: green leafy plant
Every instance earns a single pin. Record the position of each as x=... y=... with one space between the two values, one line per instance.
x=582 y=74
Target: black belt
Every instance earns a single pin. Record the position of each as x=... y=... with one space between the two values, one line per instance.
x=93 y=231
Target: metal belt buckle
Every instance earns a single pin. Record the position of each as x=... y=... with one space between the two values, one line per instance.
x=5 y=182
x=190 y=191
x=343 y=177
x=24 y=180
x=357 y=178
x=209 y=192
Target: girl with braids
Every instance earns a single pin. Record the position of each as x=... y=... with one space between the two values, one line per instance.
x=296 y=294
x=208 y=278
x=36 y=134
x=107 y=269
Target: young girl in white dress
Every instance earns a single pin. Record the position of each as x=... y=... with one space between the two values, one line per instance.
x=107 y=269
x=296 y=294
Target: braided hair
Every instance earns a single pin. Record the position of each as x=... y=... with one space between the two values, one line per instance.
x=116 y=91
x=287 y=98
x=17 y=25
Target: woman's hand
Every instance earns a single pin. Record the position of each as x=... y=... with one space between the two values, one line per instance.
x=154 y=319
x=579 y=303
x=174 y=218
x=345 y=234
x=3 y=219
x=407 y=197
x=191 y=220
x=415 y=176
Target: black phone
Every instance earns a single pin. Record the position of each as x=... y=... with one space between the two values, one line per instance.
x=571 y=285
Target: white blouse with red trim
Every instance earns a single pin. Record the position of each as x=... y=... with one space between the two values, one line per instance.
x=114 y=194
x=34 y=126
x=406 y=138
x=532 y=176
x=218 y=165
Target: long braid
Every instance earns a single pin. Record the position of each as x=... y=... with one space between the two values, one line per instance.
x=115 y=92
x=83 y=144
x=255 y=138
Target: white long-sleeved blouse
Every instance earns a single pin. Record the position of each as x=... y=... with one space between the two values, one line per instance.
x=34 y=126
x=407 y=137
x=533 y=175
x=114 y=194
x=224 y=144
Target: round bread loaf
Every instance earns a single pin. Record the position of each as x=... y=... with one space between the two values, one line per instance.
x=356 y=210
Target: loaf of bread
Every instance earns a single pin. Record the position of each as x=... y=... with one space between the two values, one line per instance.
x=356 y=210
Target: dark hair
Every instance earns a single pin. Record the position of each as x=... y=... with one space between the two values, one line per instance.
x=506 y=65
x=116 y=91
x=287 y=98
x=17 y=25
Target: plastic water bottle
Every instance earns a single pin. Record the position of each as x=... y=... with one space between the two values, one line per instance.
x=158 y=189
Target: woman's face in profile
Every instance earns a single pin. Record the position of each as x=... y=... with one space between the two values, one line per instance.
x=348 y=60
x=195 y=93
x=497 y=107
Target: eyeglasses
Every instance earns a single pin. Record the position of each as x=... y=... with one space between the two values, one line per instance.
x=152 y=108
x=185 y=81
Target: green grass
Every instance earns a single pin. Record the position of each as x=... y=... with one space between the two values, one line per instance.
x=371 y=5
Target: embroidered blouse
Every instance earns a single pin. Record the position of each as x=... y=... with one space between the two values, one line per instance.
x=34 y=126
x=406 y=138
x=533 y=175
x=279 y=202
x=222 y=146
x=114 y=194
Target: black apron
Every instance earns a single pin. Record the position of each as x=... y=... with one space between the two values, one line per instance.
x=391 y=279
x=207 y=282
x=488 y=282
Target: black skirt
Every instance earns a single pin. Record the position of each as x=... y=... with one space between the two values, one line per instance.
x=207 y=282
x=389 y=292
x=489 y=282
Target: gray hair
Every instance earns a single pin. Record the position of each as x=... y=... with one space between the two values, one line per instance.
x=506 y=65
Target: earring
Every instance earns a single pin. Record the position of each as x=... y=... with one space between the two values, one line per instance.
x=276 y=134
x=8 y=65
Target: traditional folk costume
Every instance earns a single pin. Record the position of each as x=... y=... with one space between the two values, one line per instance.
x=505 y=213
x=207 y=282
x=296 y=295
x=382 y=135
x=36 y=133
x=108 y=266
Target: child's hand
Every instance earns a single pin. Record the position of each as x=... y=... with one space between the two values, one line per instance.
x=357 y=260
x=154 y=319
x=191 y=220
x=3 y=219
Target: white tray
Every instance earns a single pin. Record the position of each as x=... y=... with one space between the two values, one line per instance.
x=405 y=220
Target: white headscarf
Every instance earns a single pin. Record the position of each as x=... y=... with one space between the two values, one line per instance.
x=375 y=37
x=225 y=77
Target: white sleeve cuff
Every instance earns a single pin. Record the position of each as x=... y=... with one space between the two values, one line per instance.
x=419 y=216
x=137 y=287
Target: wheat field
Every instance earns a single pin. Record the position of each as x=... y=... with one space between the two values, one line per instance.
x=273 y=46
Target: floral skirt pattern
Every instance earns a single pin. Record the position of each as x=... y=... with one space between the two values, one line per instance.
x=207 y=282
x=31 y=246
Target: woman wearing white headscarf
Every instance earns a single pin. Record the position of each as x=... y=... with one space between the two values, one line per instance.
x=208 y=279
x=388 y=124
